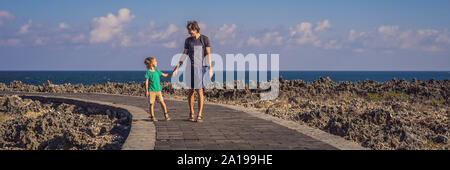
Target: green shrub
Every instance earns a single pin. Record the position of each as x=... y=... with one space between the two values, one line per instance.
x=437 y=102
x=397 y=95
x=374 y=97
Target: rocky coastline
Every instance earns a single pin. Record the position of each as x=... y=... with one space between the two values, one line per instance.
x=396 y=114
x=38 y=123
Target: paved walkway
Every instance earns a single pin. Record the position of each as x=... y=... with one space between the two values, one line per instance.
x=223 y=127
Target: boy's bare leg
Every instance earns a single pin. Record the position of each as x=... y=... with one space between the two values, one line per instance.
x=151 y=108
x=152 y=112
x=200 y=102
x=163 y=105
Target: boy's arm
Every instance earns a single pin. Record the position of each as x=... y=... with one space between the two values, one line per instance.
x=166 y=75
x=174 y=72
x=146 y=85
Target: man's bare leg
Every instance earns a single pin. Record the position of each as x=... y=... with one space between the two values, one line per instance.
x=200 y=104
x=191 y=104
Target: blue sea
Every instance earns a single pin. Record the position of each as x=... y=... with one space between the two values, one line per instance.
x=91 y=77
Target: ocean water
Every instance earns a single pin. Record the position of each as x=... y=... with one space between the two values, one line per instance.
x=91 y=77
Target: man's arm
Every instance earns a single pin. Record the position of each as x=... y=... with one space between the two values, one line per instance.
x=181 y=59
x=208 y=52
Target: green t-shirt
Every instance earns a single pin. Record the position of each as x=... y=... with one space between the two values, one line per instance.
x=154 y=83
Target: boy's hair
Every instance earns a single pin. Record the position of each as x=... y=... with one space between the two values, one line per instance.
x=193 y=25
x=149 y=62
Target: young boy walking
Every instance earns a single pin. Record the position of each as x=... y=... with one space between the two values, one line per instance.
x=153 y=86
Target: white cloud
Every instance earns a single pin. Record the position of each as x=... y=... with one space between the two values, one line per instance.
x=322 y=26
x=226 y=32
x=252 y=41
x=353 y=35
x=106 y=28
x=171 y=44
x=269 y=38
x=302 y=28
x=125 y=41
x=24 y=28
x=153 y=34
x=10 y=42
x=79 y=38
x=359 y=50
x=5 y=15
x=432 y=48
x=279 y=40
x=406 y=39
x=333 y=44
x=393 y=38
x=303 y=34
x=388 y=52
x=388 y=30
x=386 y=39
x=272 y=38
x=443 y=37
x=39 y=41
x=151 y=24
x=164 y=34
x=202 y=26
x=63 y=25
x=427 y=32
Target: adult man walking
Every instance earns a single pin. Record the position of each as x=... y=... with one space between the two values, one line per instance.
x=198 y=49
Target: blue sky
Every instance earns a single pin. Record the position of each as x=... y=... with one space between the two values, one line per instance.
x=308 y=35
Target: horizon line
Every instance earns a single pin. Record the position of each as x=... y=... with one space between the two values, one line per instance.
x=241 y=70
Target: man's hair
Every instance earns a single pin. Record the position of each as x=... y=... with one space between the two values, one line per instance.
x=193 y=25
x=149 y=62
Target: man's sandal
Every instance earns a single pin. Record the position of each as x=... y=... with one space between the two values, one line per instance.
x=191 y=118
x=199 y=119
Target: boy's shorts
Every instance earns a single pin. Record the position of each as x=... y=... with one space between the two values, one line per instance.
x=154 y=95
